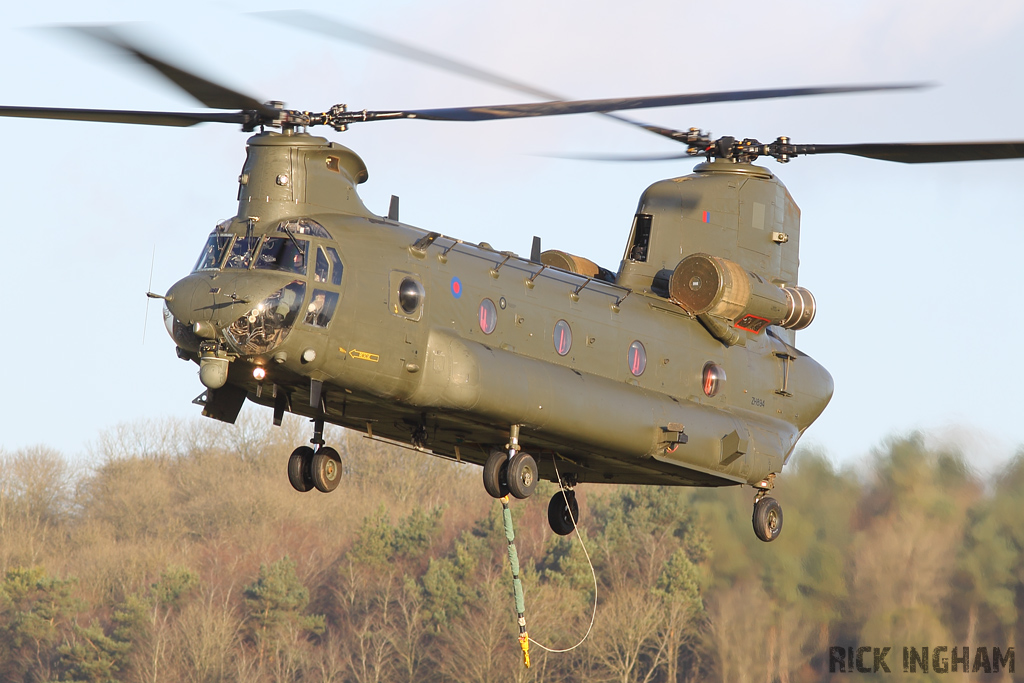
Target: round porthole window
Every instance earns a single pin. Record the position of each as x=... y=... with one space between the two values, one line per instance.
x=562 y=338
x=637 y=358
x=713 y=378
x=488 y=316
x=410 y=295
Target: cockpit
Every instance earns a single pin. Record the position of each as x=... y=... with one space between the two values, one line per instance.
x=286 y=252
x=296 y=248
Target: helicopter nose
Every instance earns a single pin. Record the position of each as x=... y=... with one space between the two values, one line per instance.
x=215 y=299
x=206 y=303
x=181 y=317
x=185 y=294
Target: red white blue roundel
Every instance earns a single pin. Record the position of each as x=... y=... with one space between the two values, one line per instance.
x=456 y=287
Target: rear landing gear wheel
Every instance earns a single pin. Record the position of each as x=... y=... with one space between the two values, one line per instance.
x=767 y=519
x=299 y=469
x=559 y=512
x=522 y=475
x=496 y=474
x=325 y=469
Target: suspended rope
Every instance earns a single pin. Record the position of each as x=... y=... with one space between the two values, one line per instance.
x=517 y=585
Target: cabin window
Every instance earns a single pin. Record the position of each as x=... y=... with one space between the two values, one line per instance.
x=335 y=260
x=562 y=338
x=637 y=358
x=410 y=295
x=713 y=378
x=407 y=296
x=284 y=253
x=321 y=308
x=640 y=245
x=213 y=252
x=488 y=316
x=321 y=269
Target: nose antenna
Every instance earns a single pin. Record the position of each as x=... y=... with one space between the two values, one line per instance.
x=149 y=295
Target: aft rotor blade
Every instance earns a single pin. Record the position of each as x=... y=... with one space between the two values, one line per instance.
x=149 y=118
x=211 y=94
x=923 y=152
x=559 y=108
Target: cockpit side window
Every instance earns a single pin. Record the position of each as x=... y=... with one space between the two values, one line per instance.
x=241 y=252
x=213 y=252
x=284 y=253
x=336 y=264
x=641 y=242
x=321 y=269
x=321 y=308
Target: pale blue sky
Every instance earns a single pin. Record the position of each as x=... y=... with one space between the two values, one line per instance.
x=915 y=268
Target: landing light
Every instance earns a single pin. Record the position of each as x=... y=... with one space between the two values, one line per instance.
x=259 y=373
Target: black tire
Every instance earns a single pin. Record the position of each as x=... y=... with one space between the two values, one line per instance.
x=299 y=474
x=496 y=474
x=767 y=519
x=326 y=469
x=522 y=475
x=558 y=513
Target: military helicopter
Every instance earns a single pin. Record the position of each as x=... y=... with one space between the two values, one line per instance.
x=679 y=368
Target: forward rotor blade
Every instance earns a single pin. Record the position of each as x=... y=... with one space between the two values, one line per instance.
x=559 y=108
x=923 y=152
x=316 y=23
x=331 y=28
x=149 y=118
x=211 y=94
x=626 y=157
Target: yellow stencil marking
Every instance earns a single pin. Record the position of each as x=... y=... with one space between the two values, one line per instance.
x=363 y=355
x=342 y=350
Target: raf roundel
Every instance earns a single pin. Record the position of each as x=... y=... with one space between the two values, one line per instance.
x=456 y=287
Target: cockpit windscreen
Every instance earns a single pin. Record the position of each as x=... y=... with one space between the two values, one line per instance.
x=213 y=252
x=242 y=252
x=284 y=253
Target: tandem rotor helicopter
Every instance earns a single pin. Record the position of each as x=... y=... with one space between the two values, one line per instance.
x=678 y=368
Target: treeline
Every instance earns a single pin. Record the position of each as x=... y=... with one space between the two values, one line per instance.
x=181 y=553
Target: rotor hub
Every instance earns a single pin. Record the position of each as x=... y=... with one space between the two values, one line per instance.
x=747 y=150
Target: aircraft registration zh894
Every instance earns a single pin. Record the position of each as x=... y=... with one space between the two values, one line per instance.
x=680 y=368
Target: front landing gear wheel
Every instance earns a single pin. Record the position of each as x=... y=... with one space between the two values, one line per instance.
x=496 y=474
x=522 y=475
x=559 y=512
x=299 y=474
x=767 y=519
x=325 y=469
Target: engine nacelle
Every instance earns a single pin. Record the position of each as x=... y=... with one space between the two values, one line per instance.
x=704 y=284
